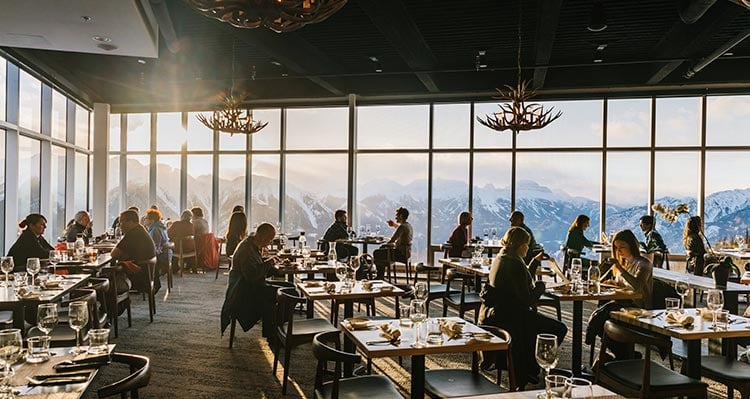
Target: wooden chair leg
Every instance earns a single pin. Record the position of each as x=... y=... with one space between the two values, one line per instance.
x=232 y=326
x=287 y=359
x=130 y=317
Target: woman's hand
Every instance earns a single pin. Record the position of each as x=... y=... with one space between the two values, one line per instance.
x=391 y=223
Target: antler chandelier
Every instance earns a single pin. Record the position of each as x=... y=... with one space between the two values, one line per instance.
x=278 y=15
x=232 y=118
x=515 y=114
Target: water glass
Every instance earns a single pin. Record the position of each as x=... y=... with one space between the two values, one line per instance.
x=420 y=290
x=38 y=349
x=6 y=265
x=578 y=388
x=594 y=275
x=404 y=319
x=715 y=302
x=722 y=320
x=554 y=387
x=19 y=280
x=434 y=335
x=672 y=305
x=98 y=340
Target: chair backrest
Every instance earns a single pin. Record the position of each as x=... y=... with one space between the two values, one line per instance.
x=505 y=336
x=89 y=296
x=366 y=266
x=325 y=353
x=139 y=377
x=286 y=300
x=453 y=275
x=180 y=245
x=101 y=286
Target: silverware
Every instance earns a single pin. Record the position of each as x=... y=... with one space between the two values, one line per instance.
x=383 y=342
x=57 y=380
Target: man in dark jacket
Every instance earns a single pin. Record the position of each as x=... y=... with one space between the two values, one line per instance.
x=81 y=225
x=337 y=231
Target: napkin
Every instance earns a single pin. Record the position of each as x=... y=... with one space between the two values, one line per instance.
x=25 y=293
x=313 y=283
x=707 y=314
x=450 y=328
x=679 y=319
x=329 y=287
x=390 y=332
x=357 y=325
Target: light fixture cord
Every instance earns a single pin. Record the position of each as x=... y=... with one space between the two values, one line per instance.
x=518 y=56
x=231 y=88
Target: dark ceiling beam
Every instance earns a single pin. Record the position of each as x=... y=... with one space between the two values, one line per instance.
x=548 y=19
x=392 y=20
x=682 y=40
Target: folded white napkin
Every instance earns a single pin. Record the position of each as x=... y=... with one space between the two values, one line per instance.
x=679 y=319
x=450 y=328
x=390 y=332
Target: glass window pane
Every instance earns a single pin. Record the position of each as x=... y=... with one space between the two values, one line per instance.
x=168 y=186
x=114 y=132
x=450 y=193
x=553 y=188
x=59 y=116
x=2 y=89
x=200 y=183
x=388 y=181
x=113 y=190
x=393 y=126
x=232 y=141
x=264 y=206
x=727 y=119
x=676 y=181
x=28 y=176
x=270 y=136
x=579 y=126
x=727 y=209
x=629 y=122
x=678 y=121
x=485 y=137
x=491 y=204
x=317 y=128
x=315 y=187
x=57 y=220
x=82 y=127
x=628 y=180
x=139 y=132
x=2 y=178
x=451 y=125
x=81 y=182
x=199 y=137
x=231 y=188
x=30 y=102
x=136 y=186
x=169 y=132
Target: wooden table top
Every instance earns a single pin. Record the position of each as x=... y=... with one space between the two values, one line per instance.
x=606 y=294
x=317 y=292
x=69 y=282
x=296 y=269
x=403 y=348
x=739 y=326
x=464 y=265
x=363 y=240
x=706 y=283
x=599 y=393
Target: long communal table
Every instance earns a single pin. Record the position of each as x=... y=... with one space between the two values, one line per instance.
x=10 y=301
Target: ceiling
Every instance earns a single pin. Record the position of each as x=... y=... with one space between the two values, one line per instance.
x=427 y=49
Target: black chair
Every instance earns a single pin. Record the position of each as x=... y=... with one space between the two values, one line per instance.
x=462 y=301
x=118 y=300
x=454 y=383
x=367 y=386
x=63 y=335
x=139 y=377
x=733 y=374
x=642 y=378
x=101 y=286
x=661 y=258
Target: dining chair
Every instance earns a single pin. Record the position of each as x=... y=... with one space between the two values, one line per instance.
x=63 y=335
x=181 y=254
x=366 y=386
x=290 y=332
x=366 y=269
x=436 y=289
x=462 y=301
x=732 y=373
x=139 y=377
x=101 y=286
x=118 y=298
x=642 y=378
x=224 y=258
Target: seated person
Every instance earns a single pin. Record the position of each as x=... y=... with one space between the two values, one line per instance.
x=654 y=241
x=401 y=239
x=695 y=247
x=158 y=232
x=81 y=225
x=236 y=231
x=460 y=236
x=31 y=243
x=337 y=231
x=576 y=241
x=199 y=223
x=137 y=247
x=517 y=220
x=177 y=231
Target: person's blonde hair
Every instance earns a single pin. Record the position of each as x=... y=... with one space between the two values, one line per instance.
x=513 y=239
x=693 y=226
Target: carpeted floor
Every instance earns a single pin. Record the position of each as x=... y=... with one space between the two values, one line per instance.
x=191 y=360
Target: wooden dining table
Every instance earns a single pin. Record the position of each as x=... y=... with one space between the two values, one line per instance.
x=464 y=265
x=731 y=291
x=364 y=241
x=360 y=338
x=10 y=301
x=598 y=391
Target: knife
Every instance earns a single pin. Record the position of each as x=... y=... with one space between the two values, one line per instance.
x=57 y=380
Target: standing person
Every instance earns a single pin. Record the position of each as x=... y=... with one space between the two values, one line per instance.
x=517 y=220
x=178 y=231
x=31 y=242
x=81 y=225
x=508 y=300
x=137 y=247
x=236 y=231
x=199 y=222
x=337 y=231
x=158 y=232
x=402 y=240
x=460 y=235
x=695 y=247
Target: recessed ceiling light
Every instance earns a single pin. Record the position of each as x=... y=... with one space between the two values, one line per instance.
x=86 y=18
x=598 y=60
x=274 y=62
x=728 y=54
x=141 y=61
x=101 y=39
x=373 y=58
x=601 y=47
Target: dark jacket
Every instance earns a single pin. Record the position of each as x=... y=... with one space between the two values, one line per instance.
x=514 y=289
x=654 y=241
x=139 y=248
x=695 y=248
x=28 y=245
x=458 y=240
x=576 y=240
x=74 y=230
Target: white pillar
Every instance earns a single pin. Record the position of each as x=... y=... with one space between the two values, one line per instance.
x=101 y=158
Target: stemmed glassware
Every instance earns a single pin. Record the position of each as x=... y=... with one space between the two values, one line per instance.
x=32 y=267
x=418 y=315
x=46 y=317
x=354 y=265
x=54 y=258
x=576 y=265
x=6 y=265
x=493 y=231
x=682 y=285
x=486 y=233
x=547 y=356
x=715 y=302
x=377 y=230
x=740 y=239
x=594 y=275
x=10 y=346
x=78 y=318
x=305 y=255
x=368 y=229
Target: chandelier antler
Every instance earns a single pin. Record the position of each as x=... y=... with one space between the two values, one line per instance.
x=232 y=118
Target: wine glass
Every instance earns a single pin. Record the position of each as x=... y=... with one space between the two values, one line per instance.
x=594 y=276
x=420 y=290
x=350 y=232
x=54 y=258
x=78 y=317
x=354 y=265
x=546 y=355
x=361 y=230
x=6 y=265
x=32 y=267
x=368 y=229
x=486 y=233
x=305 y=255
x=10 y=346
x=418 y=315
x=740 y=239
x=715 y=302
x=341 y=272
x=682 y=285
x=493 y=231
x=377 y=230
x=576 y=265
x=46 y=318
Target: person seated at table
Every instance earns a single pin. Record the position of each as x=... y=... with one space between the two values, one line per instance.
x=401 y=241
x=145 y=215
x=695 y=247
x=136 y=247
x=238 y=208
x=31 y=243
x=508 y=300
x=517 y=220
x=81 y=225
x=116 y=222
x=178 y=231
x=250 y=296
x=576 y=241
x=337 y=231
x=199 y=222
x=460 y=236
x=236 y=231
x=158 y=232
x=628 y=270
x=654 y=241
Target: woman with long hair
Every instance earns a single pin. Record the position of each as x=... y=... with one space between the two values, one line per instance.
x=31 y=242
x=236 y=231
x=695 y=247
x=460 y=235
x=575 y=240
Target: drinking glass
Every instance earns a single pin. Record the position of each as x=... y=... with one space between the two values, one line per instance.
x=6 y=265
x=32 y=267
x=354 y=265
x=671 y=305
x=368 y=229
x=420 y=290
x=715 y=302
x=682 y=285
x=578 y=388
x=54 y=258
x=418 y=315
x=10 y=346
x=305 y=255
x=46 y=317
x=494 y=233
x=740 y=242
x=78 y=317
x=377 y=230
x=546 y=352
x=486 y=233
x=576 y=265
x=350 y=232
x=594 y=275
x=554 y=387
x=361 y=230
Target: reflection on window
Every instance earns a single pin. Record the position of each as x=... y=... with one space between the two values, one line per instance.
x=315 y=187
x=139 y=132
x=81 y=181
x=725 y=118
x=2 y=92
x=317 y=128
x=676 y=181
x=113 y=189
x=485 y=137
x=678 y=121
x=231 y=188
x=2 y=176
x=628 y=180
x=388 y=181
x=30 y=102
x=28 y=176
x=169 y=132
x=451 y=124
x=629 y=122
x=199 y=137
x=491 y=204
x=168 y=186
x=114 y=132
x=82 y=126
x=264 y=206
x=56 y=220
x=136 y=187
x=200 y=183
x=59 y=116
x=579 y=126
x=270 y=136
x=393 y=126
x=727 y=208
x=450 y=193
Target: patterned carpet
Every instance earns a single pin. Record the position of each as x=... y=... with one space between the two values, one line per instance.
x=190 y=359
